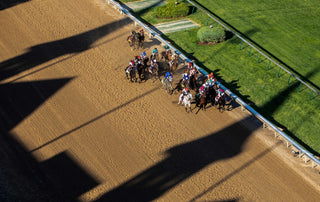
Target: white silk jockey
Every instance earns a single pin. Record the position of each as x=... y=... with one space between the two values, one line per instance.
x=193 y=71
x=131 y=63
x=183 y=93
x=129 y=68
x=152 y=63
x=187 y=100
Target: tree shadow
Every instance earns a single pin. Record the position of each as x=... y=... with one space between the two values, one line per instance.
x=45 y=52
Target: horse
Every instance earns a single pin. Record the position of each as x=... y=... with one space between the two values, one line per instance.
x=132 y=41
x=173 y=63
x=201 y=102
x=130 y=71
x=166 y=55
x=167 y=85
x=212 y=93
x=139 y=39
x=187 y=101
x=221 y=101
x=154 y=71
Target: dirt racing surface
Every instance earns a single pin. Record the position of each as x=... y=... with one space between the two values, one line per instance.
x=74 y=129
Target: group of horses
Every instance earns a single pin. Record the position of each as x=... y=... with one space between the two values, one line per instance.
x=145 y=71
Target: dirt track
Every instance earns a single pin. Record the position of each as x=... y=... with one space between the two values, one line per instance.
x=96 y=136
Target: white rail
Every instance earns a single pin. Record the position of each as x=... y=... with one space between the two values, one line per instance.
x=302 y=151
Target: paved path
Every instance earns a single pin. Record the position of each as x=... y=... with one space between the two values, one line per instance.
x=176 y=26
x=138 y=5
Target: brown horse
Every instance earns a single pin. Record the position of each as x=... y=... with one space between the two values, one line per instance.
x=166 y=55
x=201 y=102
x=173 y=64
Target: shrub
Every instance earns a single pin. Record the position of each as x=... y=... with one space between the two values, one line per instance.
x=170 y=10
x=214 y=34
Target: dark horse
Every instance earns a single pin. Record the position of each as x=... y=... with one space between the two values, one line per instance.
x=221 y=102
x=212 y=93
x=201 y=102
x=142 y=69
x=139 y=38
x=132 y=73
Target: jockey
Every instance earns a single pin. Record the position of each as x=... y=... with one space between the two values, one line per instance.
x=192 y=71
x=143 y=55
x=210 y=76
x=202 y=89
x=155 y=51
x=153 y=62
x=166 y=47
x=141 y=31
x=184 y=92
x=220 y=92
x=168 y=76
x=185 y=76
x=190 y=65
x=210 y=82
x=131 y=63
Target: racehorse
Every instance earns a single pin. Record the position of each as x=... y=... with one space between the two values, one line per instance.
x=212 y=93
x=187 y=101
x=154 y=71
x=221 y=101
x=132 y=73
x=173 y=63
x=166 y=55
x=193 y=82
x=132 y=41
x=167 y=85
x=201 y=102
x=139 y=38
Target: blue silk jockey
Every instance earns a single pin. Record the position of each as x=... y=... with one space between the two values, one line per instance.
x=184 y=92
x=143 y=55
x=168 y=76
x=185 y=76
x=220 y=92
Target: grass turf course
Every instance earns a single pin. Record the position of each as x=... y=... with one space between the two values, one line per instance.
x=250 y=79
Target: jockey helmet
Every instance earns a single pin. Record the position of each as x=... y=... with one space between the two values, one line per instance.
x=139 y=57
x=221 y=90
x=154 y=60
x=144 y=53
x=141 y=29
x=186 y=89
x=190 y=63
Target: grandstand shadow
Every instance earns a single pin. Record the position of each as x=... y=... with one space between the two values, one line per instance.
x=4 y=4
x=45 y=52
x=185 y=160
x=304 y=78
